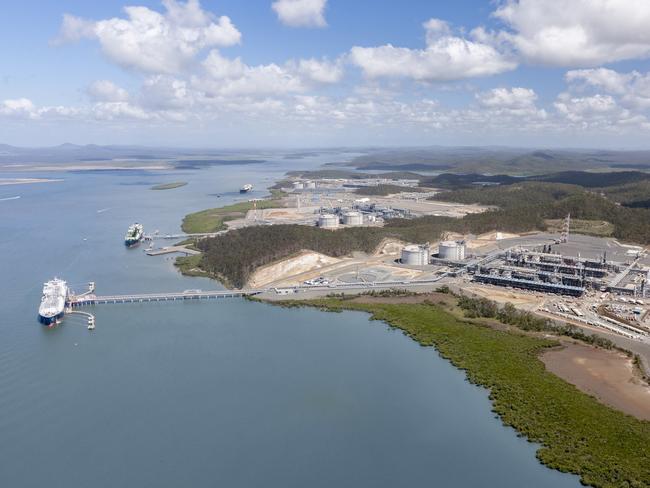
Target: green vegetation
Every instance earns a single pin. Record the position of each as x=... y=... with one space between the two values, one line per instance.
x=495 y=160
x=189 y=265
x=577 y=433
x=599 y=228
x=237 y=254
x=531 y=203
x=634 y=195
x=169 y=186
x=383 y=190
x=508 y=314
x=213 y=219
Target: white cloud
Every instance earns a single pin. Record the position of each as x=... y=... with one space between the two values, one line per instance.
x=301 y=13
x=577 y=32
x=513 y=98
x=232 y=77
x=19 y=108
x=107 y=91
x=632 y=89
x=153 y=42
x=320 y=71
x=446 y=57
x=119 y=110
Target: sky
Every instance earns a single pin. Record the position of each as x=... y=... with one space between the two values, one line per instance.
x=322 y=73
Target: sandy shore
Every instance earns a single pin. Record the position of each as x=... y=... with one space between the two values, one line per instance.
x=25 y=181
x=609 y=376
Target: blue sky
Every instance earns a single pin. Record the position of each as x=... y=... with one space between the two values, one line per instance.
x=225 y=73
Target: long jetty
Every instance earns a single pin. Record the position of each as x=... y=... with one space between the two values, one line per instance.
x=90 y=299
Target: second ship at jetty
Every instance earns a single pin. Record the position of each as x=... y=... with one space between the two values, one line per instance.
x=134 y=234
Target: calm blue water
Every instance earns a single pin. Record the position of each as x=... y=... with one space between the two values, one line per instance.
x=224 y=393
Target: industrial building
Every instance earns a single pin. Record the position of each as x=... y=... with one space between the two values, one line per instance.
x=451 y=250
x=415 y=255
x=328 y=221
x=542 y=270
x=353 y=218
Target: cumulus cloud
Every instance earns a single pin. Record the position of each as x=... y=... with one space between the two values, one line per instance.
x=446 y=57
x=508 y=98
x=225 y=76
x=107 y=91
x=19 y=108
x=632 y=89
x=578 y=33
x=320 y=71
x=149 y=41
x=301 y=13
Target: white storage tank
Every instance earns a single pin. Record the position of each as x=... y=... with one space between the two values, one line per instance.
x=310 y=185
x=353 y=218
x=297 y=185
x=452 y=250
x=328 y=221
x=416 y=255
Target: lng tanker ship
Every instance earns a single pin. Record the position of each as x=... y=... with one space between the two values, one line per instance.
x=134 y=234
x=52 y=308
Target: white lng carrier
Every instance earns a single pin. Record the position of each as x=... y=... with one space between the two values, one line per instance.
x=52 y=308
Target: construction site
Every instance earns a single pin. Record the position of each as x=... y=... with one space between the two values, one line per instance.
x=333 y=204
x=588 y=281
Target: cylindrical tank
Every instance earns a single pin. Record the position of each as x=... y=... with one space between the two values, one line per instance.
x=451 y=250
x=415 y=255
x=328 y=221
x=297 y=185
x=310 y=185
x=353 y=218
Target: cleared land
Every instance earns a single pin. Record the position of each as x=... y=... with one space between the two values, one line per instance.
x=600 y=228
x=610 y=376
x=214 y=219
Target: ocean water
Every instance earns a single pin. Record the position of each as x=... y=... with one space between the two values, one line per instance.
x=221 y=393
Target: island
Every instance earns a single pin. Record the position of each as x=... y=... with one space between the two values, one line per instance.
x=169 y=186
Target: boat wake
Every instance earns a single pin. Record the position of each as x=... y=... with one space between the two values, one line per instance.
x=9 y=198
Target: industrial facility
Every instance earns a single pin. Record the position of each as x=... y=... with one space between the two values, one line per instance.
x=415 y=255
x=328 y=221
x=451 y=250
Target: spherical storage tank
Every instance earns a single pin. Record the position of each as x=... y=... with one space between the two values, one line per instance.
x=310 y=185
x=415 y=255
x=451 y=250
x=328 y=221
x=353 y=218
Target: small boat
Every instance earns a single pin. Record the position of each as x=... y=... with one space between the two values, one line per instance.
x=246 y=188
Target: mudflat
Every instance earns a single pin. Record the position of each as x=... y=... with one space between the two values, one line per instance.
x=610 y=376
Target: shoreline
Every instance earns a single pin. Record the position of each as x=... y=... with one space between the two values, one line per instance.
x=576 y=432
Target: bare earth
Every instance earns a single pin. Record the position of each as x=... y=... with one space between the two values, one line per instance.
x=609 y=376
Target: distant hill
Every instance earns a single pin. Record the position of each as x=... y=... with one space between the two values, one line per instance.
x=500 y=160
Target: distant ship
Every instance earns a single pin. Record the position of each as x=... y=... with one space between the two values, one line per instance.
x=52 y=308
x=246 y=188
x=134 y=234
